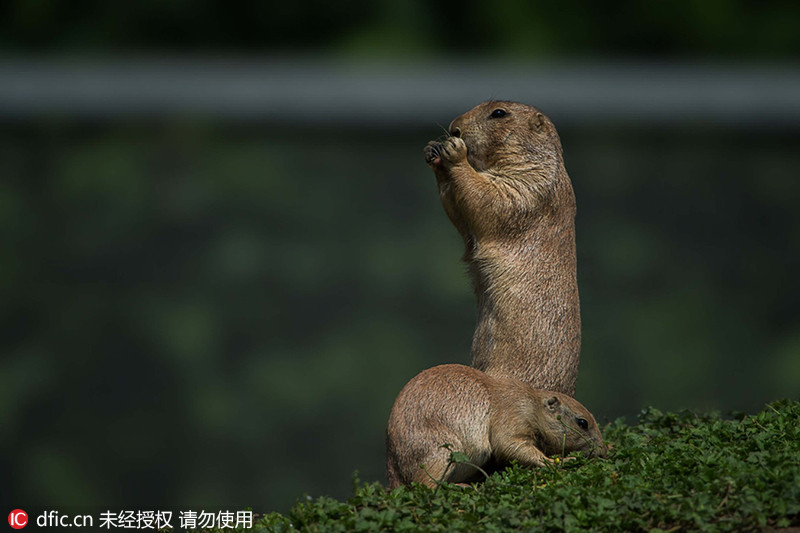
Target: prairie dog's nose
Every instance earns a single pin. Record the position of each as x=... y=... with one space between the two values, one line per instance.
x=600 y=449
x=453 y=128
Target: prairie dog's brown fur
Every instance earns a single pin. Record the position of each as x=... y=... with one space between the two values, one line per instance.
x=486 y=418
x=503 y=185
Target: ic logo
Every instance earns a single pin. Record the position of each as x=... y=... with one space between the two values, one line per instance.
x=17 y=519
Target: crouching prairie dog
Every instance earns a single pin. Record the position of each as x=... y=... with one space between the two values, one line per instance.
x=503 y=184
x=488 y=419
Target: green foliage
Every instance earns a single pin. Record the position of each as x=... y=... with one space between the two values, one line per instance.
x=684 y=471
x=383 y=28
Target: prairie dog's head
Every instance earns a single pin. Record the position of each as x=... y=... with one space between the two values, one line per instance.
x=569 y=427
x=501 y=134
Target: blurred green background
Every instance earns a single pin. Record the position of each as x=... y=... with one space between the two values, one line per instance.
x=202 y=312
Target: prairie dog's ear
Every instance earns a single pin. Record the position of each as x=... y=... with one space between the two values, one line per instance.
x=552 y=403
x=538 y=122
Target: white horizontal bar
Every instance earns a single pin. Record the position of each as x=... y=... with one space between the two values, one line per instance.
x=328 y=92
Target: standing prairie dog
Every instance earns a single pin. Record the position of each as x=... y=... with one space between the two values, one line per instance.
x=486 y=418
x=503 y=185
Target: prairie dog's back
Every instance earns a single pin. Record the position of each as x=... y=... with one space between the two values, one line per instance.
x=446 y=404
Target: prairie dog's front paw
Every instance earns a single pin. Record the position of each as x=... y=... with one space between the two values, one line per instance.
x=433 y=152
x=446 y=153
x=453 y=151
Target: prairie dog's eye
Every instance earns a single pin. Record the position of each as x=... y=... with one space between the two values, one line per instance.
x=498 y=113
x=582 y=423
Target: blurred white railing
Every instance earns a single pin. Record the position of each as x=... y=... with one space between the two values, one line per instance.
x=329 y=92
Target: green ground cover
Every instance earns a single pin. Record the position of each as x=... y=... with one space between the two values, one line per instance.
x=670 y=471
